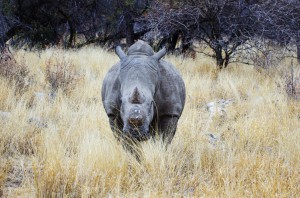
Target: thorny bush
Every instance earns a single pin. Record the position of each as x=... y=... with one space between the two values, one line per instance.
x=16 y=73
x=61 y=74
x=293 y=84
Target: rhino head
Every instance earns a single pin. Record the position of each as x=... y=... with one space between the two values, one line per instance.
x=139 y=79
x=137 y=112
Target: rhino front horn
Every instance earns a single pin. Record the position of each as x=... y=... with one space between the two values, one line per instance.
x=120 y=53
x=136 y=97
x=160 y=54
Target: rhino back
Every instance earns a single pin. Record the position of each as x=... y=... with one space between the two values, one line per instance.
x=111 y=90
x=170 y=94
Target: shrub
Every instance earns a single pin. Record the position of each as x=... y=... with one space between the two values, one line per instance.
x=16 y=73
x=293 y=84
x=61 y=74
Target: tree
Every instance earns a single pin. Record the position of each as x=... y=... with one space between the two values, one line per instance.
x=120 y=16
x=222 y=25
x=31 y=22
x=3 y=28
x=42 y=23
x=226 y=26
x=279 y=22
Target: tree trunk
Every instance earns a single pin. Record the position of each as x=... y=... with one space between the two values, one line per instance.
x=2 y=44
x=2 y=31
x=72 y=28
x=129 y=30
x=298 y=50
x=219 y=58
x=173 y=41
x=185 y=43
x=129 y=35
x=161 y=44
x=222 y=62
x=72 y=34
x=226 y=62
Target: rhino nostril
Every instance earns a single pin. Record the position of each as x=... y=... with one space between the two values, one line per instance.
x=136 y=120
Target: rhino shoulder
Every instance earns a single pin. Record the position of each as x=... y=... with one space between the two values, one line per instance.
x=111 y=90
x=170 y=96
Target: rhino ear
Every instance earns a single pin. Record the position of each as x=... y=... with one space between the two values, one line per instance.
x=120 y=53
x=136 y=97
x=160 y=54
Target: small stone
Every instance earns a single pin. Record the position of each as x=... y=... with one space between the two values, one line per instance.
x=5 y=115
x=38 y=122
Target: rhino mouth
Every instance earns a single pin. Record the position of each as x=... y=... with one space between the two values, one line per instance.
x=139 y=134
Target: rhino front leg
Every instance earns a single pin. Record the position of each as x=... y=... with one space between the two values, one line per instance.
x=168 y=125
x=116 y=125
x=112 y=123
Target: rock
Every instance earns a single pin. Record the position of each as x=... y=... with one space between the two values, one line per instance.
x=40 y=96
x=38 y=122
x=43 y=97
x=213 y=139
x=5 y=115
x=218 y=107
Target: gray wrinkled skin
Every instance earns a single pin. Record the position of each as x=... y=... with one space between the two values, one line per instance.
x=143 y=95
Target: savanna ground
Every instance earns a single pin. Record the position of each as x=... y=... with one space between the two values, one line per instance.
x=64 y=147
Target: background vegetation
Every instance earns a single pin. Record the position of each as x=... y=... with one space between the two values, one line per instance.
x=227 y=27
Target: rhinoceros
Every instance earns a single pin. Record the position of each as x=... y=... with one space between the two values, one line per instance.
x=143 y=95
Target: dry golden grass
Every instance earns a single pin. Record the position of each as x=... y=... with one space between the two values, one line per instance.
x=256 y=152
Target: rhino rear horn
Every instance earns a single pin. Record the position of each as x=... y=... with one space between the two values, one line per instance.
x=160 y=54
x=120 y=53
x=136 y=97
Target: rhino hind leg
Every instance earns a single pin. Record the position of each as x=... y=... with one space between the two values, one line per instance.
x=167 y=127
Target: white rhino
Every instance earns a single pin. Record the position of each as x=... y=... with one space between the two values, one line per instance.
x=143 y=95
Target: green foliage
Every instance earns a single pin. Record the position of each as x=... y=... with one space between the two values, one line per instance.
x=7 y=7
x=40 y=34
x=129 y=3
x=175 y=24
